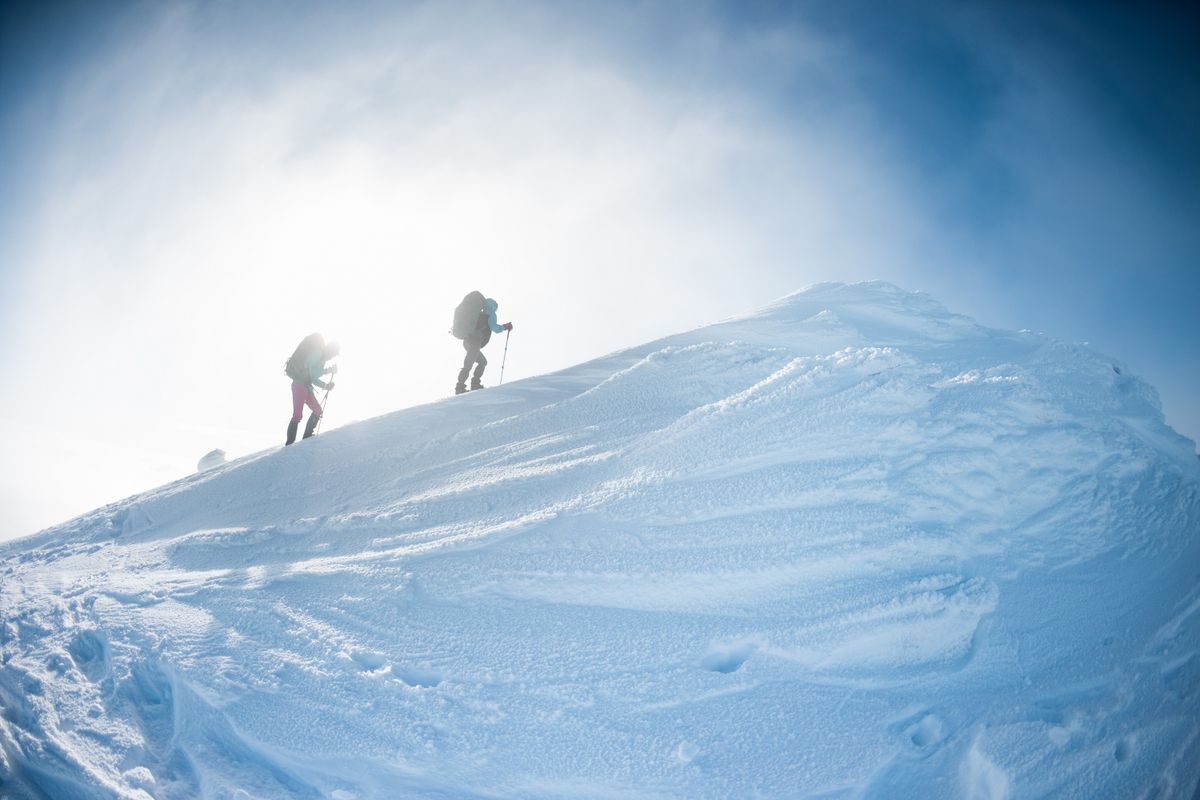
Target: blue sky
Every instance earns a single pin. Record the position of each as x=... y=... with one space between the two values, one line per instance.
x=191 y=187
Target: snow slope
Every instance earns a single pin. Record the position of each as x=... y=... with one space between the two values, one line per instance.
x=852 y=545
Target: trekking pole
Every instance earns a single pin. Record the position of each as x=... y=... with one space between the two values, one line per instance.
x=324 y=408
x=504 y=358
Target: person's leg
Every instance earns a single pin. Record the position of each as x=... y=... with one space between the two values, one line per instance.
x=468 y=362
x=479 y=367
x=299 y=391
x=315 y=407
x=472 y=349
x=311 y=401
x=299 y=397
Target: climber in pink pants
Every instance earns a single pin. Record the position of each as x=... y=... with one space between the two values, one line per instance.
x=306 y=367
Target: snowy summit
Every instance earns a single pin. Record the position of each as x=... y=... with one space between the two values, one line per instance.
x=852 y=545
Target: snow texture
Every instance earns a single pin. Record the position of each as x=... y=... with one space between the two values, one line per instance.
x=850 y=546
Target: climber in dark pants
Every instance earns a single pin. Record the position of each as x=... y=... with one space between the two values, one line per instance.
x=474 y=341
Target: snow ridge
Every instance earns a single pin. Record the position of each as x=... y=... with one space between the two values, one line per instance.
x=851 y=545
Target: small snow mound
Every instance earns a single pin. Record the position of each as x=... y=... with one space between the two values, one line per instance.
x=140 y=778
x=213 y=458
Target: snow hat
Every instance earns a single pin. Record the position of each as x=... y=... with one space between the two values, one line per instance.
x=332 y=349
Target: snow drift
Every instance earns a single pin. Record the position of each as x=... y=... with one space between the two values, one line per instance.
x=213 y=458
x=852 y=545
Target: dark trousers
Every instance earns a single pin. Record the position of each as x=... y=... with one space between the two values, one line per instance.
x=474 y=357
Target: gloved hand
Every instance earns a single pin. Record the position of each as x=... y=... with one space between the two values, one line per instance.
x=333 y=370
x=508 y=327
x=329 y=386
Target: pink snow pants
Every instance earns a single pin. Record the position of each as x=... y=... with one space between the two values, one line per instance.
x=302 y=394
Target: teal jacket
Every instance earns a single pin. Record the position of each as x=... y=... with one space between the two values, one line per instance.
x=314 y=369
x=490 y=307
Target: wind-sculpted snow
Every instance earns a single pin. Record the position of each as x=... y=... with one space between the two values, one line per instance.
x=852 y=545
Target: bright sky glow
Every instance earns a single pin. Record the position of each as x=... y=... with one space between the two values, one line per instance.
x=196 y=186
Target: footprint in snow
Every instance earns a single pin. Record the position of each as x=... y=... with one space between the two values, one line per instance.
x=922 y=732
x=368 y=662
x=926 y=733
x=89 y=651
x=418 y=676
x=729 y=657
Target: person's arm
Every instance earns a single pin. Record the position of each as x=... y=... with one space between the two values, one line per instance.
x=316 y=368
x=496 y=326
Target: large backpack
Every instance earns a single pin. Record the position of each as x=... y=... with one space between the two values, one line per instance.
x=295 y=365
x=466 y=316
